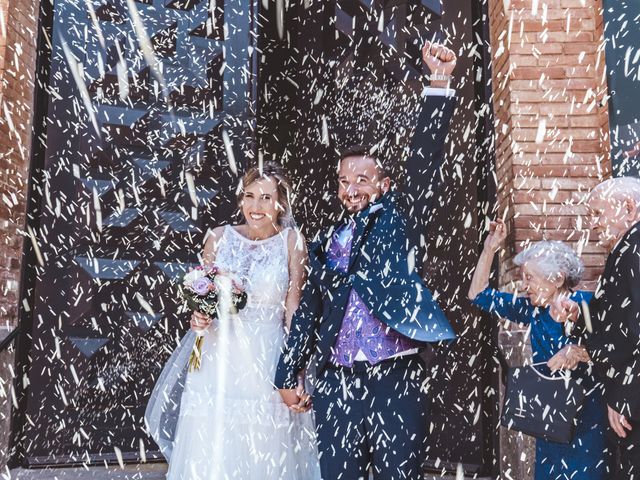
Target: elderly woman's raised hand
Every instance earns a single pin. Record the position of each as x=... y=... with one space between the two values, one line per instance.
x=480 y=280
x=496 y=237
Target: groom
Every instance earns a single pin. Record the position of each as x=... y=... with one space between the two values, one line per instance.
x=365 y=313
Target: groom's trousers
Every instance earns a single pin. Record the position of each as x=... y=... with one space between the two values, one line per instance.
x=372 y=417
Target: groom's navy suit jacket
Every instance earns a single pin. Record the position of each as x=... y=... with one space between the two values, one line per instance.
x=380 y=270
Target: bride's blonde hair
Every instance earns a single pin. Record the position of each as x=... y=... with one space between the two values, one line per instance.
x=278 y=174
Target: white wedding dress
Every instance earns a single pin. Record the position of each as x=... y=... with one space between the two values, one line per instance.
x=229 y=422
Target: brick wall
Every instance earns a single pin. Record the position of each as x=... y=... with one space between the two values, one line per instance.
x=18 y=33
x=551 y=146
x=551 y=121
x=17 y=66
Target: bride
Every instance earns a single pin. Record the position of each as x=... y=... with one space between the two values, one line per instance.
x=226 y=420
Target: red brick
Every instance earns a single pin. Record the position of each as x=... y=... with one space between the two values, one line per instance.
x=572 y=3
x=523 y=60
x=581 y=146
x=551 y=210
x=565 y=109
x=539 y=196
x=576 y=13
x=537 y=235
x=585 y=121
x=540 y=97
x=538 y=26
x=563 y=37
x=538 y=49
x=570 y=83
x=534 y=73
x=579 y=47
x=532 y=121
x=573 y=184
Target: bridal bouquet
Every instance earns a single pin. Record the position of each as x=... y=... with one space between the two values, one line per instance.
x=209 y=290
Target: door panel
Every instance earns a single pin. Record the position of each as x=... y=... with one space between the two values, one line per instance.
x=136 y=170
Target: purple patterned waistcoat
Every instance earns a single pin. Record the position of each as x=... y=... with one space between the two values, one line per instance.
x=360 y=330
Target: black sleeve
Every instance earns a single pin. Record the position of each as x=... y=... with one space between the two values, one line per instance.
x=302 y=337
x=622 y=392
x=425 y=159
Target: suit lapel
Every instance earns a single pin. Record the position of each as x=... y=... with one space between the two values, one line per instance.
x=364 y=223
x=318 y=260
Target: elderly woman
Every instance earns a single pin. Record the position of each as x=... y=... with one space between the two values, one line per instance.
x=550 y=270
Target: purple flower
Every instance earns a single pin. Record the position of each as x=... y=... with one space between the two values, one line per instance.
x=201 y=286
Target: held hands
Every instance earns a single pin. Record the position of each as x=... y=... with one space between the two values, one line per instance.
x=296 y=398
x=569 y=357
x=564 y=310
x=618 y=422
x=440 y=60
x=496 y=237
x=199 y=322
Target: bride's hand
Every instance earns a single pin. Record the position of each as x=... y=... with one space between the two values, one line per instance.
x=199 y=322
x=304 y=403
x=289 y=396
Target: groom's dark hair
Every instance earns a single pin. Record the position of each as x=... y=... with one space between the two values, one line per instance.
x=365 y=151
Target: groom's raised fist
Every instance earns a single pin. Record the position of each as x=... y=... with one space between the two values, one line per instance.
x=441 y=62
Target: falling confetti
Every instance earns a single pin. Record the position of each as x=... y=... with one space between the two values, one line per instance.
x=148 y=114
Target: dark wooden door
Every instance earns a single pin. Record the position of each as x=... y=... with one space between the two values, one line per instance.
x=137 y=166
x=149 y=111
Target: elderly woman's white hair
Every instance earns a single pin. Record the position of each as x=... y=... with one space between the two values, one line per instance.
x=553 y=258
x=620 y=188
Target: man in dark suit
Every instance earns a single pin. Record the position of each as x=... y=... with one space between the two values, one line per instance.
x=612 y=325
x=365 y=312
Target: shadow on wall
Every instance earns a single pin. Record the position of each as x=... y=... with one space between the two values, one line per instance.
x=7 y=362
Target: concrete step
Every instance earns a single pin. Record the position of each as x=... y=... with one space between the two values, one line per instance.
x=149 y=471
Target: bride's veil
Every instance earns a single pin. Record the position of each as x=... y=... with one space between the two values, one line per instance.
x=163 y=409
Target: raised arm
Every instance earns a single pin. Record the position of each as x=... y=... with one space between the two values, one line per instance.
x=441 y=61
x=427 y=145
x=297 y=273
x=505 y=305
x=493 y=242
